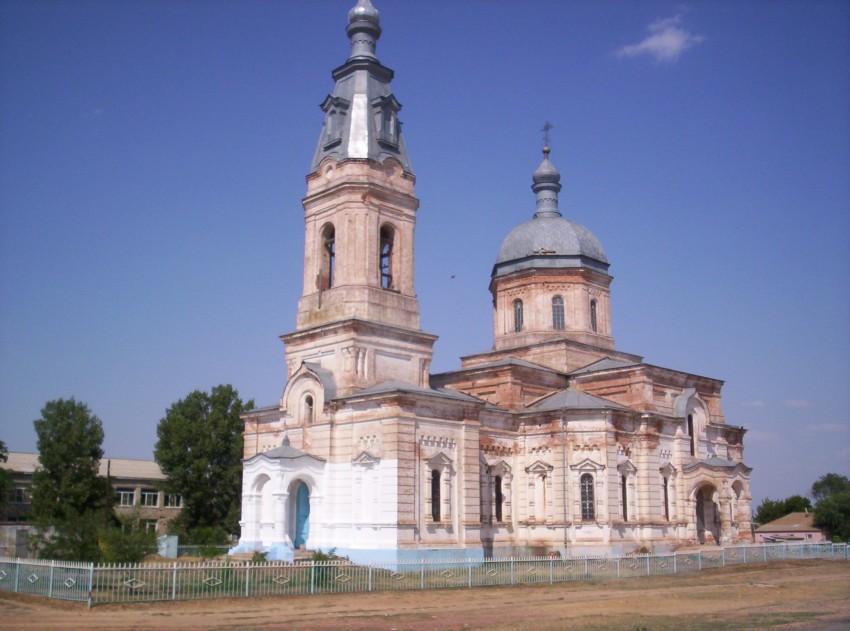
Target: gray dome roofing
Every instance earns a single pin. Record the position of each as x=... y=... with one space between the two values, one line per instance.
x=549 y=240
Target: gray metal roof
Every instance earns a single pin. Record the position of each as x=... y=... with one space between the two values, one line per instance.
x=714 y=461
x=548 y=239
x=604 y=364
x=509 y=361
x=577 y=400
x=361 y=114
x=387 y=387
x=325 y=376
x=285 y=452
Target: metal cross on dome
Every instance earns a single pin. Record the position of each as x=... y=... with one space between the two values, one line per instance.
x=546 y=127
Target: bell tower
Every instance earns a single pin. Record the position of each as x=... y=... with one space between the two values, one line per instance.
x=358 y=315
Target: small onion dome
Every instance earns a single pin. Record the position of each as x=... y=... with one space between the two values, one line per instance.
x=363 y=29
x=364 y=11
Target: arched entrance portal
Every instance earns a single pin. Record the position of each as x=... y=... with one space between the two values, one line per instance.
x=707 y=516
x=302 y=516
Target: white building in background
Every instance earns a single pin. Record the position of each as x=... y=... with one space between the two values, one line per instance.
x=554 y=439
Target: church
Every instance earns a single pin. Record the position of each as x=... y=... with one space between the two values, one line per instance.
x=552 y=441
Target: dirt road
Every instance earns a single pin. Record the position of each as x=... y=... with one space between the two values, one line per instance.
x=781 y=595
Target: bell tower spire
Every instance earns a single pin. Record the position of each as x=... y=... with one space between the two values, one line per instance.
x=358 y=315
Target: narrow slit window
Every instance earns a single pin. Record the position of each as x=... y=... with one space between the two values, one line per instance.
x=308 y=409
x=625 y=493
x=593 y=320
x=588 y=505
x=665 y=484
x=693 y=439
x=435 y=495
x=518 y=316
x=386 y=257
x=558 y=313
x=328 y=257
x=498 y=497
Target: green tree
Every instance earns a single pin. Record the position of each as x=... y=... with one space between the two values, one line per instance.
x=199 y=449
x=830 y=484
x=126 y=540
x=5 y=477
x=67 y=495
x=832 y=510
x=769 y=509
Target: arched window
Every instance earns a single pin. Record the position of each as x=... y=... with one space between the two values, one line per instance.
x=588 y=504
x=517 y=316
x=691 y=434
x=593 y=323
x=498 y=497
x=385 y=262
x=435 y=495
x=558 y=313
x=326 y=278
x=308 y=408
x=625 y=493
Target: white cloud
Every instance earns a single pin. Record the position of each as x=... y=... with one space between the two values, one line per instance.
x=754 y=404
x=797 y=403
x=666 y=42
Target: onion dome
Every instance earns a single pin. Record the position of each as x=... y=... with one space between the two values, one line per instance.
x=363 y=29
x=548 y=239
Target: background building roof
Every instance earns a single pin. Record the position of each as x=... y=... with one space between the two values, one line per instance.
x=792 y=522
x=118 y=467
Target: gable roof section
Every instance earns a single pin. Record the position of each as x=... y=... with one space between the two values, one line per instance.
x=325 y=376
x=608 y=363
x=388 y=387
x=284 y=452
x=716 y=462
x=576 y=400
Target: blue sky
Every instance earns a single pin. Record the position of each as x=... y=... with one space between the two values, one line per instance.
x=152 y=165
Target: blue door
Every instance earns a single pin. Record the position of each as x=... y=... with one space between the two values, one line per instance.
x=302 y=515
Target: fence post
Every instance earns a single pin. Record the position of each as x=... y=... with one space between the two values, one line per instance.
x=91 y=582
x=247 y=579
x=422 y=574
x=50 y=585
x=17 y=572
x=174 y=582
x=370 y=578
x=469 y=574
x=618 y=567
x=675 y=568
x=647 y=565
x=699 y=560
x=512 y=570
x=722 y=557
x=551 y=563
x=312 y=576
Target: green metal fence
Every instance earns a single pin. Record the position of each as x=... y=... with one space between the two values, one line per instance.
x=124 y=583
